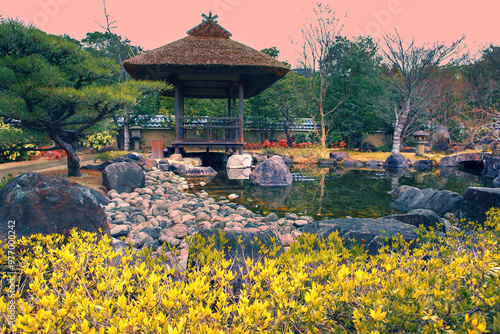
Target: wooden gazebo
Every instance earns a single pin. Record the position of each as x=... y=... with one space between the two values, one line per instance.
x=208 y=64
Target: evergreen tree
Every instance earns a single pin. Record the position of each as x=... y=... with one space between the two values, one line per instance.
x=51 y=85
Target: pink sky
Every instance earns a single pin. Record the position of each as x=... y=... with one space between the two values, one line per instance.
x=265 y=23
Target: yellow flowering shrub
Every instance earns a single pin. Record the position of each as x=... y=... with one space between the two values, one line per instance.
x=449 y=284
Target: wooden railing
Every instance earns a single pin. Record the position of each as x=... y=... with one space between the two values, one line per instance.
x=209 y=128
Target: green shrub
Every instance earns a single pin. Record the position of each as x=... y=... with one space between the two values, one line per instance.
x=6 y=179
x=385 y=148
x=449 y=284
x=98 y=140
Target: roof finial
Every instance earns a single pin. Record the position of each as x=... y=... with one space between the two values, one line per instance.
x=210 y=17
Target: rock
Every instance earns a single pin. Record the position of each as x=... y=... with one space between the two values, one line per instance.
x=440 y=139
x=299 y=223
x=34 y=203
x=418 y=217
x=123 y=177
x=239 y=161
x=141 y=239
x=491 y=166
x=448 y=162
x=193 y=161
x=286 y=239
x=251 y=248
x=374 y=163
x=180 y=230
x=367 y=146
x=496 y=181
x=422 y=164
x=98 y=168
x=351 y=163
x=441 y=202
x=232 y=196
x=103 y=199
x=178 y=259
x=272 y=217
x=169 y=241
x=327 y=162
x=120 y=231
x=199 y=172
x=143 y=162
x=362 y=231
x=339 y=156
x=178 y=167
x=202 y=216
x=395 y=161
x=176 y=157
x=272 y=173
x=478 y=200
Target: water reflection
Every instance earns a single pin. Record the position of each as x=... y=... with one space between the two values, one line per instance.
x=336 y=193
x=272 y=197
x=238 y=173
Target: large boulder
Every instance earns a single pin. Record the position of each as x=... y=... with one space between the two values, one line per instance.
x=34 y=203
x=367 y=146
x=369 y=232
x=202 y=173
x=418 y=217
x=271 y=173
x=239 y=161
x=478 y=200
x=423 y=164
x=395 y=161
x=339 y=156
x=351 y=163
x=124 y=177
x=448 y=161
x=491 y=166
x=441 y=202
x=440 y=141
x=239 y=247
x=143 y=162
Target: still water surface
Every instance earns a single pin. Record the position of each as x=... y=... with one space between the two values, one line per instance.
x=336 y=193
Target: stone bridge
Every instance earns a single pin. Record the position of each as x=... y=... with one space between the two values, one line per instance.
x=472 y=159
x=490 y=165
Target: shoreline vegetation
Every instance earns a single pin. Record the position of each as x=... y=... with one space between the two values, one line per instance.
x=450 y=283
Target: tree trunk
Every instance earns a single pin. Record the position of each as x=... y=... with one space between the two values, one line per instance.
x=73 y=164
x=398 y=130
x=289 y=140
x=126 y=135
x=323 y=128
x=69 y=145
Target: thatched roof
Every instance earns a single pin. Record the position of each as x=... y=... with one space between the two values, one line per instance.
x=208 y=52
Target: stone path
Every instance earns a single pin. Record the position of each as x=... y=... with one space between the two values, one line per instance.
x=41 y=164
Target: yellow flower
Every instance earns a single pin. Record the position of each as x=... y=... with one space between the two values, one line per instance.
x=377 y=315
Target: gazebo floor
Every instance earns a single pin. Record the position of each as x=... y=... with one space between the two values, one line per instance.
x=209 y=143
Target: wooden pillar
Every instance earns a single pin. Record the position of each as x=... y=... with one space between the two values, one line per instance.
x=240 y=100
x=227 y=132
x=177 y=108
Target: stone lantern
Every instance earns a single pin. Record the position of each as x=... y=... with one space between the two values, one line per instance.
x=421 y=139
x=136 y=136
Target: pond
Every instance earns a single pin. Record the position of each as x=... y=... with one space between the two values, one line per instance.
x=337 y=193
